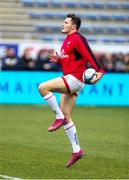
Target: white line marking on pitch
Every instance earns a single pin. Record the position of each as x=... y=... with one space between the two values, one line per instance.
x=9 y=177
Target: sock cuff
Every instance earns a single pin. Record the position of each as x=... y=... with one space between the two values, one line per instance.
x=68 y=126
x=48 y=96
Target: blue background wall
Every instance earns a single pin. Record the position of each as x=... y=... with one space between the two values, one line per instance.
x=21 y=88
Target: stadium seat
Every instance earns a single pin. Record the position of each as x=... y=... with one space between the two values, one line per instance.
x=28 y=2
x=74 y=4
x=93 y=16
x=89 y=16
x=91 y=39
x=87 y=29
x=33 y=18
x=125 y=29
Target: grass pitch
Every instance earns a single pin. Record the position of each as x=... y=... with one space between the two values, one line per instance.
x=28 y=151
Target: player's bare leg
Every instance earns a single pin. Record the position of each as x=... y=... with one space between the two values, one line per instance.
x=46 y=89
x=66 y=105
x=53 y=85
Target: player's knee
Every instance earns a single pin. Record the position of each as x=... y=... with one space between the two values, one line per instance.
x=41 y=88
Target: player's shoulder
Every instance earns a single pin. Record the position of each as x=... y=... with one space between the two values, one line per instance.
x=80 y=37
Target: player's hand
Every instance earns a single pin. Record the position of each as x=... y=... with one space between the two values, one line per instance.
x=54 y=57
x=97 y=77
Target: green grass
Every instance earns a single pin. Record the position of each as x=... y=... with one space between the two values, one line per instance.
x=28 y=151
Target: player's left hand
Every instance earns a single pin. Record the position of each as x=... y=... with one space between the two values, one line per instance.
x=97 y=77
x=54 y=57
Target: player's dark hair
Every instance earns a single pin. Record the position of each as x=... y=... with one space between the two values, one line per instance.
x=76 y=20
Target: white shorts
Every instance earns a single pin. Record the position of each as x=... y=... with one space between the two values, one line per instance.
x=72 y=84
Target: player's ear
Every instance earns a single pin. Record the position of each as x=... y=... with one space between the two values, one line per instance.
x=74 y=26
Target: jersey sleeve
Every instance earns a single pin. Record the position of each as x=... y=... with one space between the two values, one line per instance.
x=85 y=51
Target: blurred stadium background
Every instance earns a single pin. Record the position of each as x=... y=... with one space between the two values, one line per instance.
x=29 y=29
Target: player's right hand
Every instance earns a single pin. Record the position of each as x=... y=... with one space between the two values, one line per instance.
x=98 y=76
x=54 y=57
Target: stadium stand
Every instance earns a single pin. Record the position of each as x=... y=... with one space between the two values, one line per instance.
x=103 y=21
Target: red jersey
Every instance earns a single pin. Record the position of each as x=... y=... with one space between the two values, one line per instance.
x=75 y=52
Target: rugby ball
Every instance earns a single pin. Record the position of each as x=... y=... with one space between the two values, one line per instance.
x=88 y=75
